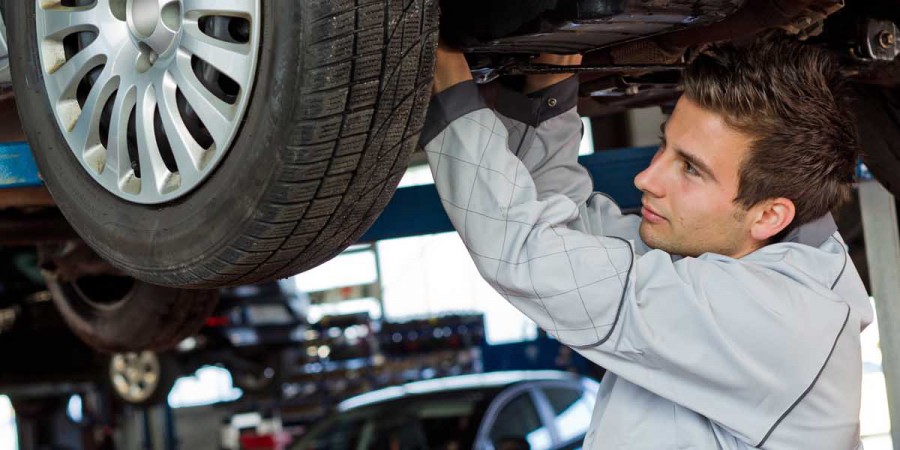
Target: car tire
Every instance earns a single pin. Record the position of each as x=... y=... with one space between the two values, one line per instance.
x=142 y=379
x=334 y=111
x=877 y=111
x=118 y=313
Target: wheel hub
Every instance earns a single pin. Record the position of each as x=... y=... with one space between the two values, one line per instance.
x=154 y=26
x=135 y=376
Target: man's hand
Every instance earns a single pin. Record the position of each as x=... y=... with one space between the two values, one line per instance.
x=450 y=68
x=534 y=83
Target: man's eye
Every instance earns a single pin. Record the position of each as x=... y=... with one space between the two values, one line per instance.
x=690 y=169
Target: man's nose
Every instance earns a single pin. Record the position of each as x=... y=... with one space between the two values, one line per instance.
x=648 y=180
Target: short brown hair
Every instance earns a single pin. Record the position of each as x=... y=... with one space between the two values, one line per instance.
x=787 y=96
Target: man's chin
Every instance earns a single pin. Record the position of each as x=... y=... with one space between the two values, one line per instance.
x=672 y=250
x=653 y=241
x=647 y=235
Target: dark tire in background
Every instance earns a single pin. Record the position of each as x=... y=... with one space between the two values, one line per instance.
x=118 y=314
x=338 y=98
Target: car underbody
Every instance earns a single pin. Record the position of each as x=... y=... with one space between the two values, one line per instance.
x=634 y=49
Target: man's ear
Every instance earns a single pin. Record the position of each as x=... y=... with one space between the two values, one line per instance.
x=771 y=217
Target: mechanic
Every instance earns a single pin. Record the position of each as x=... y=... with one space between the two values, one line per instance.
x=728 y=314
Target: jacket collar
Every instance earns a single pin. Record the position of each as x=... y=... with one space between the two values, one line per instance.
x=814 y=233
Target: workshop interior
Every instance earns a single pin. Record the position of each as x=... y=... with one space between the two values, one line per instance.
x=219 y=228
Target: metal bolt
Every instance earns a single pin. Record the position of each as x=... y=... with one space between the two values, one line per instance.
x=886 y=39
x=552 y=102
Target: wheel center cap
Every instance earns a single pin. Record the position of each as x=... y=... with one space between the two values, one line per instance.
x=154 y=24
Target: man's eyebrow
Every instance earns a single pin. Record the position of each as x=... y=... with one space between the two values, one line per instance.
x=696 y=162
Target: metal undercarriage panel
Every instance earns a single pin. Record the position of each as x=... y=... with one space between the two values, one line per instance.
x=568 y=26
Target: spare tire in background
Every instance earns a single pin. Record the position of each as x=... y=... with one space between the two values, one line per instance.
x=115 y=313
x=143 y=378
x=243 y=141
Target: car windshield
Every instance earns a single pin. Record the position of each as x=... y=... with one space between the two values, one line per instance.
x=443 y=421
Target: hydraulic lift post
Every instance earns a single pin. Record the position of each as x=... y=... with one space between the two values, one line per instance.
x=879 y=216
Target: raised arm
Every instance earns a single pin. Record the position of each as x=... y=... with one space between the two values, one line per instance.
x=545 y=133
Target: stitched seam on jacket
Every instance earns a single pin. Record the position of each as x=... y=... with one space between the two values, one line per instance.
x=449 y=105
x=845 y=263
x=816 y=379
x=527 y=255
x=612 y=328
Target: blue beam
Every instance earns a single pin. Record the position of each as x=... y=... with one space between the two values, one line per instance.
x=17 y=167
x=417 y=210
x=413 y=211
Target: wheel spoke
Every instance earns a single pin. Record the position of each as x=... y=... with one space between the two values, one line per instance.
x=121 y=383
x=66 y=78
x=199 y=8
x=188 y=154
x=62 y=21
x=86 y=132
x=154 y=173
x=149 y=378
x=215 y=114
x=135 y=392
x=117 y=159
x=232 y=59
x=145 y=357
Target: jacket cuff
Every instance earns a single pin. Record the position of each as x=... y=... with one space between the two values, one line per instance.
x=533 y=109
x=449 y=105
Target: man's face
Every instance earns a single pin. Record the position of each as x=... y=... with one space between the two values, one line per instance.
x=690 y=187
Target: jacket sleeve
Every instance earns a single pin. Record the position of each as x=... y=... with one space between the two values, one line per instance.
x=709 y=346
x=545 y=133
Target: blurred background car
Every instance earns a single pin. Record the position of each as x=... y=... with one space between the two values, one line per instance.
x=501 y=410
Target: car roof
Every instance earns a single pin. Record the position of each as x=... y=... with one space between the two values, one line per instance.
x=454 y=383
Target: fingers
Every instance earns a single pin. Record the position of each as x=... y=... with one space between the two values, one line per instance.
x=534 y=83
x=451 y=68
x=558 y=60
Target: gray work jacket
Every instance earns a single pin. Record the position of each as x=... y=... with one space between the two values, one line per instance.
x=702 y=353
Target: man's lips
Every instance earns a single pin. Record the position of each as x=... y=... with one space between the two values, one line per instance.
x=650 y=215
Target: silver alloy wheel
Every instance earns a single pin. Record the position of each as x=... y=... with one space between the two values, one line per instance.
x=149 y=94
x=135 y=376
